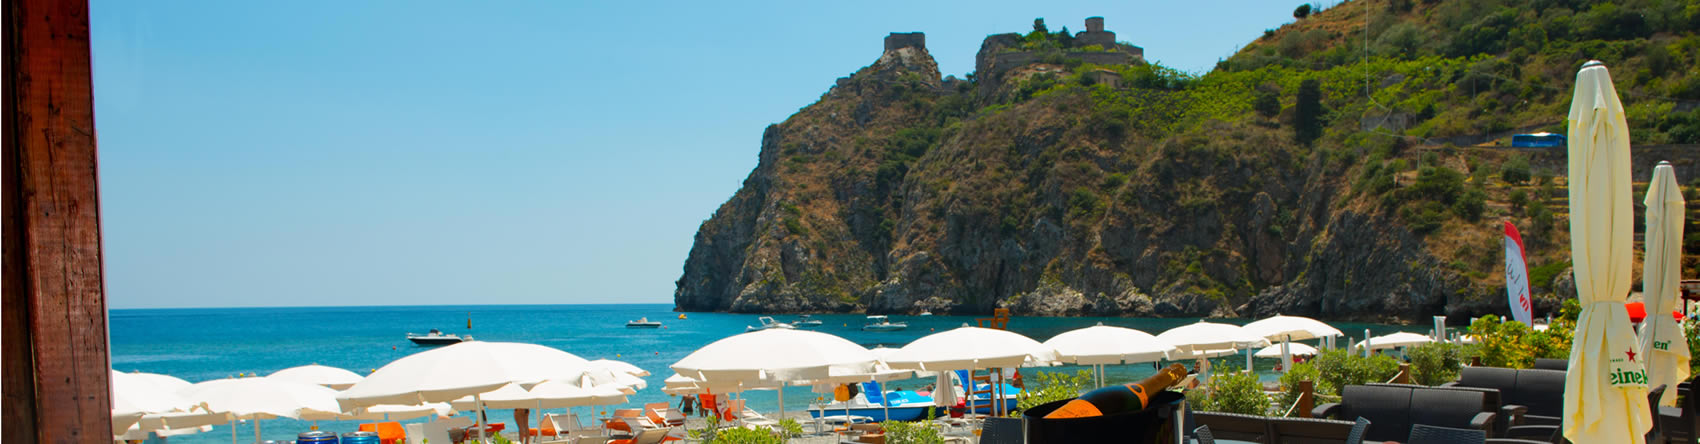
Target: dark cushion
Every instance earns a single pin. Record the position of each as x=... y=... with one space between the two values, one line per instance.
x=1445 y=407
x=1234 y=426
x=1503 y=379
x=1388 y=408
x=1541 y=390
x=1308 y=431
x=1552 y=364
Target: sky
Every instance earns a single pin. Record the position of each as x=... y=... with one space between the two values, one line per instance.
x=324 y=153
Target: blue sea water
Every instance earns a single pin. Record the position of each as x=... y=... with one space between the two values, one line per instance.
x=210 y=343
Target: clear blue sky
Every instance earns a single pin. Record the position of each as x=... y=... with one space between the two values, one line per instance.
x=381 y=153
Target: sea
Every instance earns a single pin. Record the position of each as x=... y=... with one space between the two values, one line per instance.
x=200 y=344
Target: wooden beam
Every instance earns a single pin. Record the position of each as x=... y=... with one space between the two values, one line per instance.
x=55 y=338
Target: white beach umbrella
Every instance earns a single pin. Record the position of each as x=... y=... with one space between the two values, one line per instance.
x=625 y=382
x=1211 y=336
x=618 y=366
x=1293 y=328
x=1102 y=344
x=134 y=396
x=1195 y=354
x=1290 y=328
x=1662 y=340
x=1395 y=340
x=774 y=354
x=967 y=348
x=1605 y=389
x=167 y=382
x=1295 y=349
x=1202 y=339
x=255 y=399
x=327 y=376
x=387 y=412
x=468 y=368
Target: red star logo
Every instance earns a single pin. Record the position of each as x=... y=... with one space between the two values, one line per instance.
x=1631 y=354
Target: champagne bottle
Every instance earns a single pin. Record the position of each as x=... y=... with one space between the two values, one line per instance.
x=1120 y=398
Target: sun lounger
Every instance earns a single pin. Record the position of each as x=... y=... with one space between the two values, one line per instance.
x=662 y=413
x=645 y=436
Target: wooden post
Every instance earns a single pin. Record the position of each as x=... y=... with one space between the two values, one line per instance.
x=1404 y=376
x=1475 y=361
x=55 y=370
x=1307 y=398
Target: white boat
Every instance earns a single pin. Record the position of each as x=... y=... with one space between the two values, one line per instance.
x=805 y=321
x=767 y=323
x=926 y=313
x=643 y=322
x=437 y=337
x=881 y=323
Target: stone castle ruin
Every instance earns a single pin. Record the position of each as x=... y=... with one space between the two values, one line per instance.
x=1001 y=53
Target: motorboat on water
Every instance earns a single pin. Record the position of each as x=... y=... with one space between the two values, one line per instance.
x=767 y=322
x=926 y=313
x=437 y=337
x=805 y=321
x=643 y=322
x=881 y=323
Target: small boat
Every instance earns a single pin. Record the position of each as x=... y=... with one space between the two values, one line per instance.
x=643 y=322
x=926 y=313
x=767 y=323
x=901 y=405
x=881 y=323
x=436 y=337
x=805 y=321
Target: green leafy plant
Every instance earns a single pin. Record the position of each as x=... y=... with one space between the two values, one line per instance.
x=1290 y=383
x=1046 y=387
x=899 y=432
x=1234 y=391
x=789 y=428
x=1435 y=363
x=1338 y=368
x=741 y=435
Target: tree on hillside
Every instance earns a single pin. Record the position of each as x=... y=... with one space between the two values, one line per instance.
x=1302 y=11
x=1039 y=26
x=1307 y=111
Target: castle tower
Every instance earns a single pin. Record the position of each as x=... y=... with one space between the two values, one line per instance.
x=1095 y=34
x=899 y=40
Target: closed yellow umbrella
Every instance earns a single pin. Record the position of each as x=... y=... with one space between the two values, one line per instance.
x=1661 y=338
x=1605 y=388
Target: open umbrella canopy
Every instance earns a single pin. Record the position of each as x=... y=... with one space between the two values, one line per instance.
x=546 y=395
x=1103 y=344
x=448 y=373
x=1605 y=390
x=774 y=354
x=1274 y=351
x=327 y=376
x=600 y=377
x=1211 y=336
x=387 y=412
x=617 y=366
x=263 y=398
x=134 y=396
x=1662 y=341
x=1292 y=328
x=967 y=347
x=1396 y=340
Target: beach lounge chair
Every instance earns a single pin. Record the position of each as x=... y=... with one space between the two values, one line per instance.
x=645 y=436
x=662 y=413
x=1540 y=392
x=388 y=432
x=1394 y=410
x=434 y=431
x=870 y=433
x=547 y=427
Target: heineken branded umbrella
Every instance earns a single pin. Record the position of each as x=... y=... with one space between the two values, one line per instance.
x=1605 y=388
x=1662 y=341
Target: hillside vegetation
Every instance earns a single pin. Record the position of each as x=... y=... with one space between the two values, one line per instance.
x=1326 y=169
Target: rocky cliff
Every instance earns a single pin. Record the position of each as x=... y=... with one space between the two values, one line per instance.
x=1062 y=181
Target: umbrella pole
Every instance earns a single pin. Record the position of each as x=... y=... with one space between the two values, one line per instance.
x=476 y=399
x=233 y=432
x=1248 y=359
x=781 y=399
x=256 y=431
x=1286 y=353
